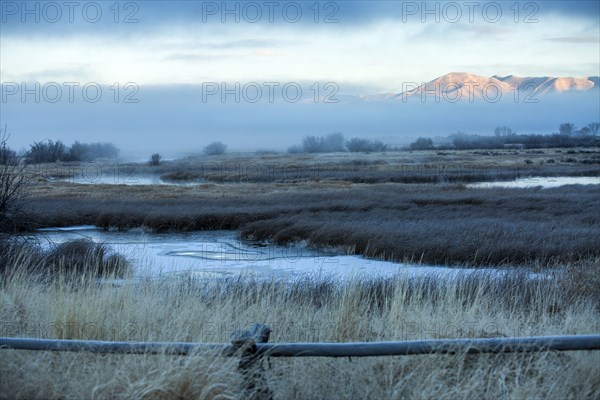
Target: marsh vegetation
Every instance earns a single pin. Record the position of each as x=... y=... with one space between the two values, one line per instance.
x=441 y=222
x=405 y=207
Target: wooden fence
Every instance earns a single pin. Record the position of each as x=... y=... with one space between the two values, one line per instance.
x=251 y=346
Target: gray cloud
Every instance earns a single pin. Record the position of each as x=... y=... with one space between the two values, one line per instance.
x=147 y=15
x=588 y=9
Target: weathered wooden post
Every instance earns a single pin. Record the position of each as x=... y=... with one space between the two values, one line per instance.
x=254 y=384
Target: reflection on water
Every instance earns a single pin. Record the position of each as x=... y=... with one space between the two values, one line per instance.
x=221 y=253
x=544 y=182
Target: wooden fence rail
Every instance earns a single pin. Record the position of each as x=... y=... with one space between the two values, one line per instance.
x=352 y=349
x=251 y=347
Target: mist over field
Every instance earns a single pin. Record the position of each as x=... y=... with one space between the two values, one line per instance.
x=176 y=119
x=176 y=76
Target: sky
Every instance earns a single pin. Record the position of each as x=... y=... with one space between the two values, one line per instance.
x=155 y=51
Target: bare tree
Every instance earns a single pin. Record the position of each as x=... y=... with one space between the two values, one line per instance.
x=594 y=128
x=566 y=128
x=155 y=159
x=13 y=182
x=503 y=131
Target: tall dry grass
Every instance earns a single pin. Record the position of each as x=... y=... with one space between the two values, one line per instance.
x=202 y=310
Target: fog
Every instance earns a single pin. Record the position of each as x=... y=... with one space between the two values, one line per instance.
x=174 y=120
x=308 y=68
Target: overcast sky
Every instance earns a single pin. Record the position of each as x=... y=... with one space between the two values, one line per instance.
x=363 y=47
x=375 y=45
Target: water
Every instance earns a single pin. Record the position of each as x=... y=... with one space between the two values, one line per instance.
x=100 y=173
x=124 y=179
x=544 y=182
x=119 y=180
x=222 y=253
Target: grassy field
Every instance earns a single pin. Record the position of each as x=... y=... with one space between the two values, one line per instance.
x=396 y=206
x=208 y=310
x=396 y=167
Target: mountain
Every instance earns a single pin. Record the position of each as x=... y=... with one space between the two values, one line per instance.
x=549 y=84
x=461 y=86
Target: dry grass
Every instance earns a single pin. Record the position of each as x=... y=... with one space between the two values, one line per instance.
x=308 y=310
x=436 y=224
x=397 y=167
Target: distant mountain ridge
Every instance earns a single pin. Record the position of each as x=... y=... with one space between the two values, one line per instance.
x=462 y=86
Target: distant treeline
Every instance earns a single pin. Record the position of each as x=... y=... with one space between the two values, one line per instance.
x=336 y=142
x=504 y=137
x=52 y=151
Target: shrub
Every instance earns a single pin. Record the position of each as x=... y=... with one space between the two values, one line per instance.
x=331 y=143
x=47 y=152
x=215 y=149
x=365 y=145
x=92 y=151
x=85 y=256
x=422 y=144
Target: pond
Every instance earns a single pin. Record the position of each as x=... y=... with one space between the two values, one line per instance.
x=111 y=180
x=544 y=182
x=222 y=253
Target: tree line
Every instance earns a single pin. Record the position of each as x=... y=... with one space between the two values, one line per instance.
x=48 y=151
x=335 y=142
x=505 y=137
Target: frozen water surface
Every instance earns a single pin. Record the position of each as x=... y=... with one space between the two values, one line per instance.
x=544 y=182
x=222 y=253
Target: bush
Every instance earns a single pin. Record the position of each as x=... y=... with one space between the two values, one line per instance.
x=47 y=152
x=85 y=256
x=68 y=259
x=357 y=145
x=155 y=159
x=92 y=151
x=215 y=149
x=422 y=144
x=331 y=143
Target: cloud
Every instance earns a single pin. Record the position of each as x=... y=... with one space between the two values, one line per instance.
x=174 y=46
x=133 y=17
x=486 y=30
x=587 y=9
x=237 y=44
x=575 y=39
x=196 y=57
